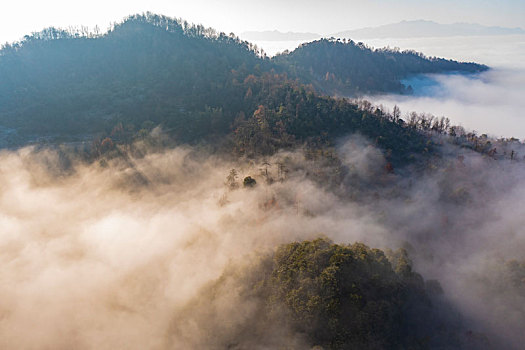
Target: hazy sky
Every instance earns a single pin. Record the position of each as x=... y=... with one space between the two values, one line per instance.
x=18 y=18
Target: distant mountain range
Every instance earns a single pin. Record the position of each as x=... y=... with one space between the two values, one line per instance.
x=404 y=29
x=421 y=28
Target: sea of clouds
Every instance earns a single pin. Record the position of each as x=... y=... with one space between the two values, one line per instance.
x=112 y=254
x=105 y=255
x=490 y=103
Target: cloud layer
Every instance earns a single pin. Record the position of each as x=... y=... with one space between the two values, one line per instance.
x=106 y=255
x=490 y=103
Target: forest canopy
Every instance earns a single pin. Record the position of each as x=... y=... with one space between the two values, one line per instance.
x=199 y=85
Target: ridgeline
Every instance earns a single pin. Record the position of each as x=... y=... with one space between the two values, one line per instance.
x=201 y=86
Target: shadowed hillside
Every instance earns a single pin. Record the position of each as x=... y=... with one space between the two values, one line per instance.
x=196 y=83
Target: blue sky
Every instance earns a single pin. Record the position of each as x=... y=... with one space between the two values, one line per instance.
x=21 y=17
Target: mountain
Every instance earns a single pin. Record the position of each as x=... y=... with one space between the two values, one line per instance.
x=230 y=226
x=334 y=296
x=201 y=86
x=422 y=28
x=147 y=67
x=275 y=35
x=345 y=68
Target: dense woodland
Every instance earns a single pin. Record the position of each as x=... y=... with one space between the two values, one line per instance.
x=347 y=68
x=329 y=296
x=161 y=82
x=201 y=86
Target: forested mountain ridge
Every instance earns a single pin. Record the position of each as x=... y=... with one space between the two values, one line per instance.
x=327 y=296
x=347 y=68
x=223 y=167
x=146 y=65
x=153 y=70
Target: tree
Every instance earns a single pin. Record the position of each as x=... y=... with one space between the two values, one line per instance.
x=231 y=180
x=396 y=113
x=249 y=182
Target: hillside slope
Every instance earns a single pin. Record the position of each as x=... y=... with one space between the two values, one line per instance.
x=199 y=85
x=349 y=68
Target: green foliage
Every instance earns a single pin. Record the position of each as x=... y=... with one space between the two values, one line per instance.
x=198 y=85
x=327 y=295
x=249 y=182
x=346 y=68
x=146 y=68
x=293 y=115
x=347 y=296
x=341 y=296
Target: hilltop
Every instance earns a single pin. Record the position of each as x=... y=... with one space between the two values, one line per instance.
x=202 y=86
x=201 y=195
x=340 y=67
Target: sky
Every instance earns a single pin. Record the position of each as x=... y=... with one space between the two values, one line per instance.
x=112 y=251
x=18 y=18
x=490 y=103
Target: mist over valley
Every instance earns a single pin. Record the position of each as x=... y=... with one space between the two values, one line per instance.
x=164 y=185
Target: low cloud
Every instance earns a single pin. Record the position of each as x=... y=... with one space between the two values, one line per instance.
x=489 y=103
x=106 y=255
